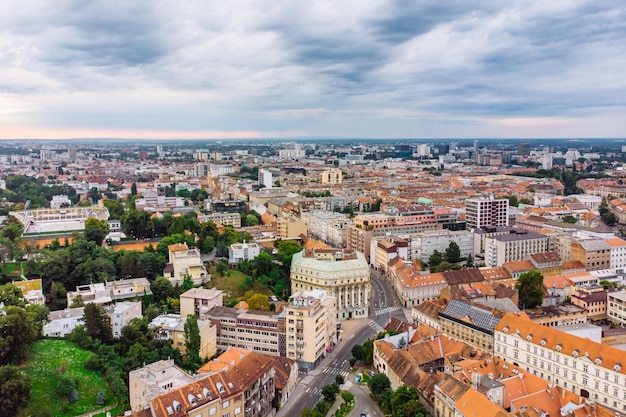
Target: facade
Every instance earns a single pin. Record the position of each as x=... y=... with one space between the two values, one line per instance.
x=265 y=178
x=594 y=300
x=332 y=176
x=513 y=247
x=412 y=287
x=344 y=274
x=481 y=212
x=468 y=323
x=122 y=313
x=105 y=293
x=222 y=219
x=32 y=290
x=327 y=226
x=238 y=252
x=589 y=369
x=198 y=301
x=252 y=330
x=182 y=262
x=423 y=245
x=595 y=254
x=172 y=327
x=481 y=234
x=311 y=327
x=287 y=228
x=618 y=252
x=62 y=322
x=616 y=308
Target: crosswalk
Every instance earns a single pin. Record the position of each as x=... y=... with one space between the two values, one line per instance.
x=386 y=310
x=336 y=371
x=375 y=326
x=314 y=391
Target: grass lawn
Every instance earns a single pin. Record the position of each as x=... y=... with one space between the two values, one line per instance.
x=47 y=356
x=232 y=282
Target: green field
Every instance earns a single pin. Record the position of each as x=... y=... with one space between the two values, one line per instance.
x=47 y=357
x=231 y=284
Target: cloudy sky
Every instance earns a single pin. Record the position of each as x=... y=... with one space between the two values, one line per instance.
x=354 y=69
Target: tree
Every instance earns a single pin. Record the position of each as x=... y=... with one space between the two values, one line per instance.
x=192 y=340
x=379 y=383
x=453 y=253
x=133 y=190
x=11 y=295
x=570 y=219
x=98 y=323
x=17 y=331
x=339 y=379
x=116 y=209
x=259 y=302
x=187 y=283
x=347 y=397
x=96 y=230
x=329 y=392
x=251 y=220
x=57 y=299
x=66 y=385
x=14 y=390
x=162 y=289
x=435 y=259
x=77 y=301
x=358 y=353
x=222 y=267
x=530 y=289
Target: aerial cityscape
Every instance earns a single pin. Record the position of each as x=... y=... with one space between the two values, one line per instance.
x=284 y=209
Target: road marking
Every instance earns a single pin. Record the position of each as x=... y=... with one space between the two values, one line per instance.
x=375 y=326
x=387 y=310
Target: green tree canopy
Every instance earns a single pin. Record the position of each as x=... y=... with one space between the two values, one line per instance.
x=98 y=323
x=379 y=383
x=453 y=253
x=529 y=285
x=14 y=390
x=192 y=341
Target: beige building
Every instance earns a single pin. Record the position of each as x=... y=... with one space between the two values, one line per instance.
x=172 y=327
x=198 y=301
x=222 y=219
x=311 y=327
x=594 y=253
x=332 y=176
x=182 y=262
x=288 y=228
x=247 y=329
x=515 y=246
x=616 y=308
x=469 y=324
x=106 y=293
x=343 y=273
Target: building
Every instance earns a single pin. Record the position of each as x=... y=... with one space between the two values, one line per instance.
x=105 y=293
x=343 y=273
x=594 y=299
x=481 y=234
x=470 y=324
x=481 y=212
x=253 y=330
x=198 y=301
x=265 y=178
x=245 y=389
x=222 y=219
x=172 y=327
x=513 y=247
x=311 y=327
x=184 y=261
x=122 y=313
x=32 y=290
x=618 y=252
x=62 y=322
x=616 y=308
x=592 y=370
x=327 y=226
x=412 y=287
x=287 y=228
x=423 y=245
x=595 y=254
x=332 y=176
x=238 y=252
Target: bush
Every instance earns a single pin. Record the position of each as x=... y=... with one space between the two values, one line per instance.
x=339 y=379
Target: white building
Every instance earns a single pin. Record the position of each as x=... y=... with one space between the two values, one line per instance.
x=513 y=247
x=480 y=212
x=265 y=178
x=122 y=313
x=618 y=252
x=424 y=244
x=589 y=369
x=62 y=322
x=327 y=226
x=616 y=308
x=237 y=252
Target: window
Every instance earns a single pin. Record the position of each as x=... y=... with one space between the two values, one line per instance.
x=226 y=404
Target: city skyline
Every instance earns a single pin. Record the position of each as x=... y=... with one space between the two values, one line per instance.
x=159 y=70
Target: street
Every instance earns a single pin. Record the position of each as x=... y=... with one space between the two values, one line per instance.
x=384 y=303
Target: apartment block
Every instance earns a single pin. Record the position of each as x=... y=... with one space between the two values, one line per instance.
x=589 y=369
x=199 y=301
x=222 y=219
x=288 y=228
x=327 y=226
x=332 y=176
x=344 y=274
x=616 y=308
x=62 y=322
x=106 y=293
x=257 y=331
x=595 y=254
x=513 y=247
x=184 y=261
x=238 y=252
x=481 y=212
x=311 y=327
x=618 y=252
x=172 y=327
x=122 y=313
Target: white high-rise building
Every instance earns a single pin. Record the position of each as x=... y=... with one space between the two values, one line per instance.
x=265 y=178
x=481 y=212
